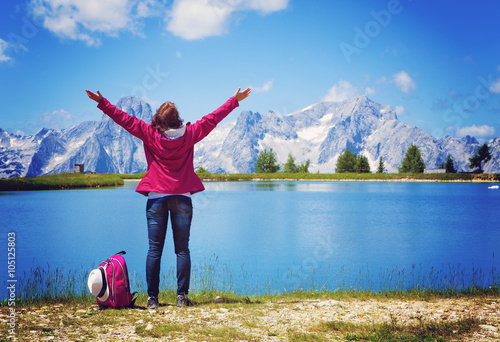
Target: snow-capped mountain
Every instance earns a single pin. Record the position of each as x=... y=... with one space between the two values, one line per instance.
x=101 y=146
x=320 y=133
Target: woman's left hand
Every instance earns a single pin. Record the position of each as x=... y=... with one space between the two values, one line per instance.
x=93 y=96
x=243 y=95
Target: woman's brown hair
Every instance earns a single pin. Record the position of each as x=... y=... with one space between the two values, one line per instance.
x=166 y=117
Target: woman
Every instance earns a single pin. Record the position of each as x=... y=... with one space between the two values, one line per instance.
x=169 y=181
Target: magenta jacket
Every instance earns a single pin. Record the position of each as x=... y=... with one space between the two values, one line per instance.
x=170 y=162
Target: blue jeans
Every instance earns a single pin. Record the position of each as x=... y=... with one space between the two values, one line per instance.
x=181 y=212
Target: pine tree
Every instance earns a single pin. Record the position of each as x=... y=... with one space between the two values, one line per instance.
x=482 y=155
x=362 y=164
x=266 y=162
x=304 y=167
x=201 y=171
x=381 y=166
x=290 y=166
x=450 y=165
x=412 y=162
x=346 y=162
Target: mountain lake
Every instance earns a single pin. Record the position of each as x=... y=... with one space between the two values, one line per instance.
x=271 y=237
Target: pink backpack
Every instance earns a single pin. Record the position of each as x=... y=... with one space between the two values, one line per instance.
x=110 y=283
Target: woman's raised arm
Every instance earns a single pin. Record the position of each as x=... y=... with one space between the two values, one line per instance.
x=93 y=96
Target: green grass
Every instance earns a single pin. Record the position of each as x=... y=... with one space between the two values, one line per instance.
x=131 y=175
x=444 y=177
x=393 y=331
x=210 y=278
x=77 y=181
x=61 y=181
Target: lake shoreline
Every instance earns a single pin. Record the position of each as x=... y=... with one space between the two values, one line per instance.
x=65 y=181
x=352 y=177
x=281 y=177
x=401 y=180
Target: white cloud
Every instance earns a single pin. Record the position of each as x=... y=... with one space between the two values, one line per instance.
x=266 y=6
x=495 y=87
x=341 y=91
x=344 y=90
x=148 y=8
x=404 y=82
x=196 y=19
x=86 y=20
x=476 y=131
x=400 y=110
x=266 y=87
x=3 y=46
x=369 y=91
x=58 y=119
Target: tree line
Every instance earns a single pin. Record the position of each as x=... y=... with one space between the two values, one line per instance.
x=349 y=161
x=412 y=162
x=267 y=163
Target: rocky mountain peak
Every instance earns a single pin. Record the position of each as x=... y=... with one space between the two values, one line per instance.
x=470 y=140
x=137 y=107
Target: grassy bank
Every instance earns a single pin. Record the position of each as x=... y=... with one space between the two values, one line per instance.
x=77 y=180
x=60 y=181
x=131 y=175
x=211 y=278
x=388 y=177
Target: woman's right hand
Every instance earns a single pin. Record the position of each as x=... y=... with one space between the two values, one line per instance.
x=93 y=96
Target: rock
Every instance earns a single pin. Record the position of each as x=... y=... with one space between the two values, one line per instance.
x=488 y=327
x=149 y=326
x=218 y=299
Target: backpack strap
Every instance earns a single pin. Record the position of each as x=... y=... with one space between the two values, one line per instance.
x=132 y=302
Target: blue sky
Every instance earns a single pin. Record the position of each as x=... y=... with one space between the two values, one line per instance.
x=436 y=62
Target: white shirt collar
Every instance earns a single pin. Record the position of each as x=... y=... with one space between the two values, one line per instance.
x=175 y=133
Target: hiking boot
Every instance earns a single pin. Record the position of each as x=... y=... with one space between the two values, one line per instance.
x=152 y=302
x=183 y=300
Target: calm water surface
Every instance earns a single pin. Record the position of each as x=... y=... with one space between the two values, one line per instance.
x=270 y=236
